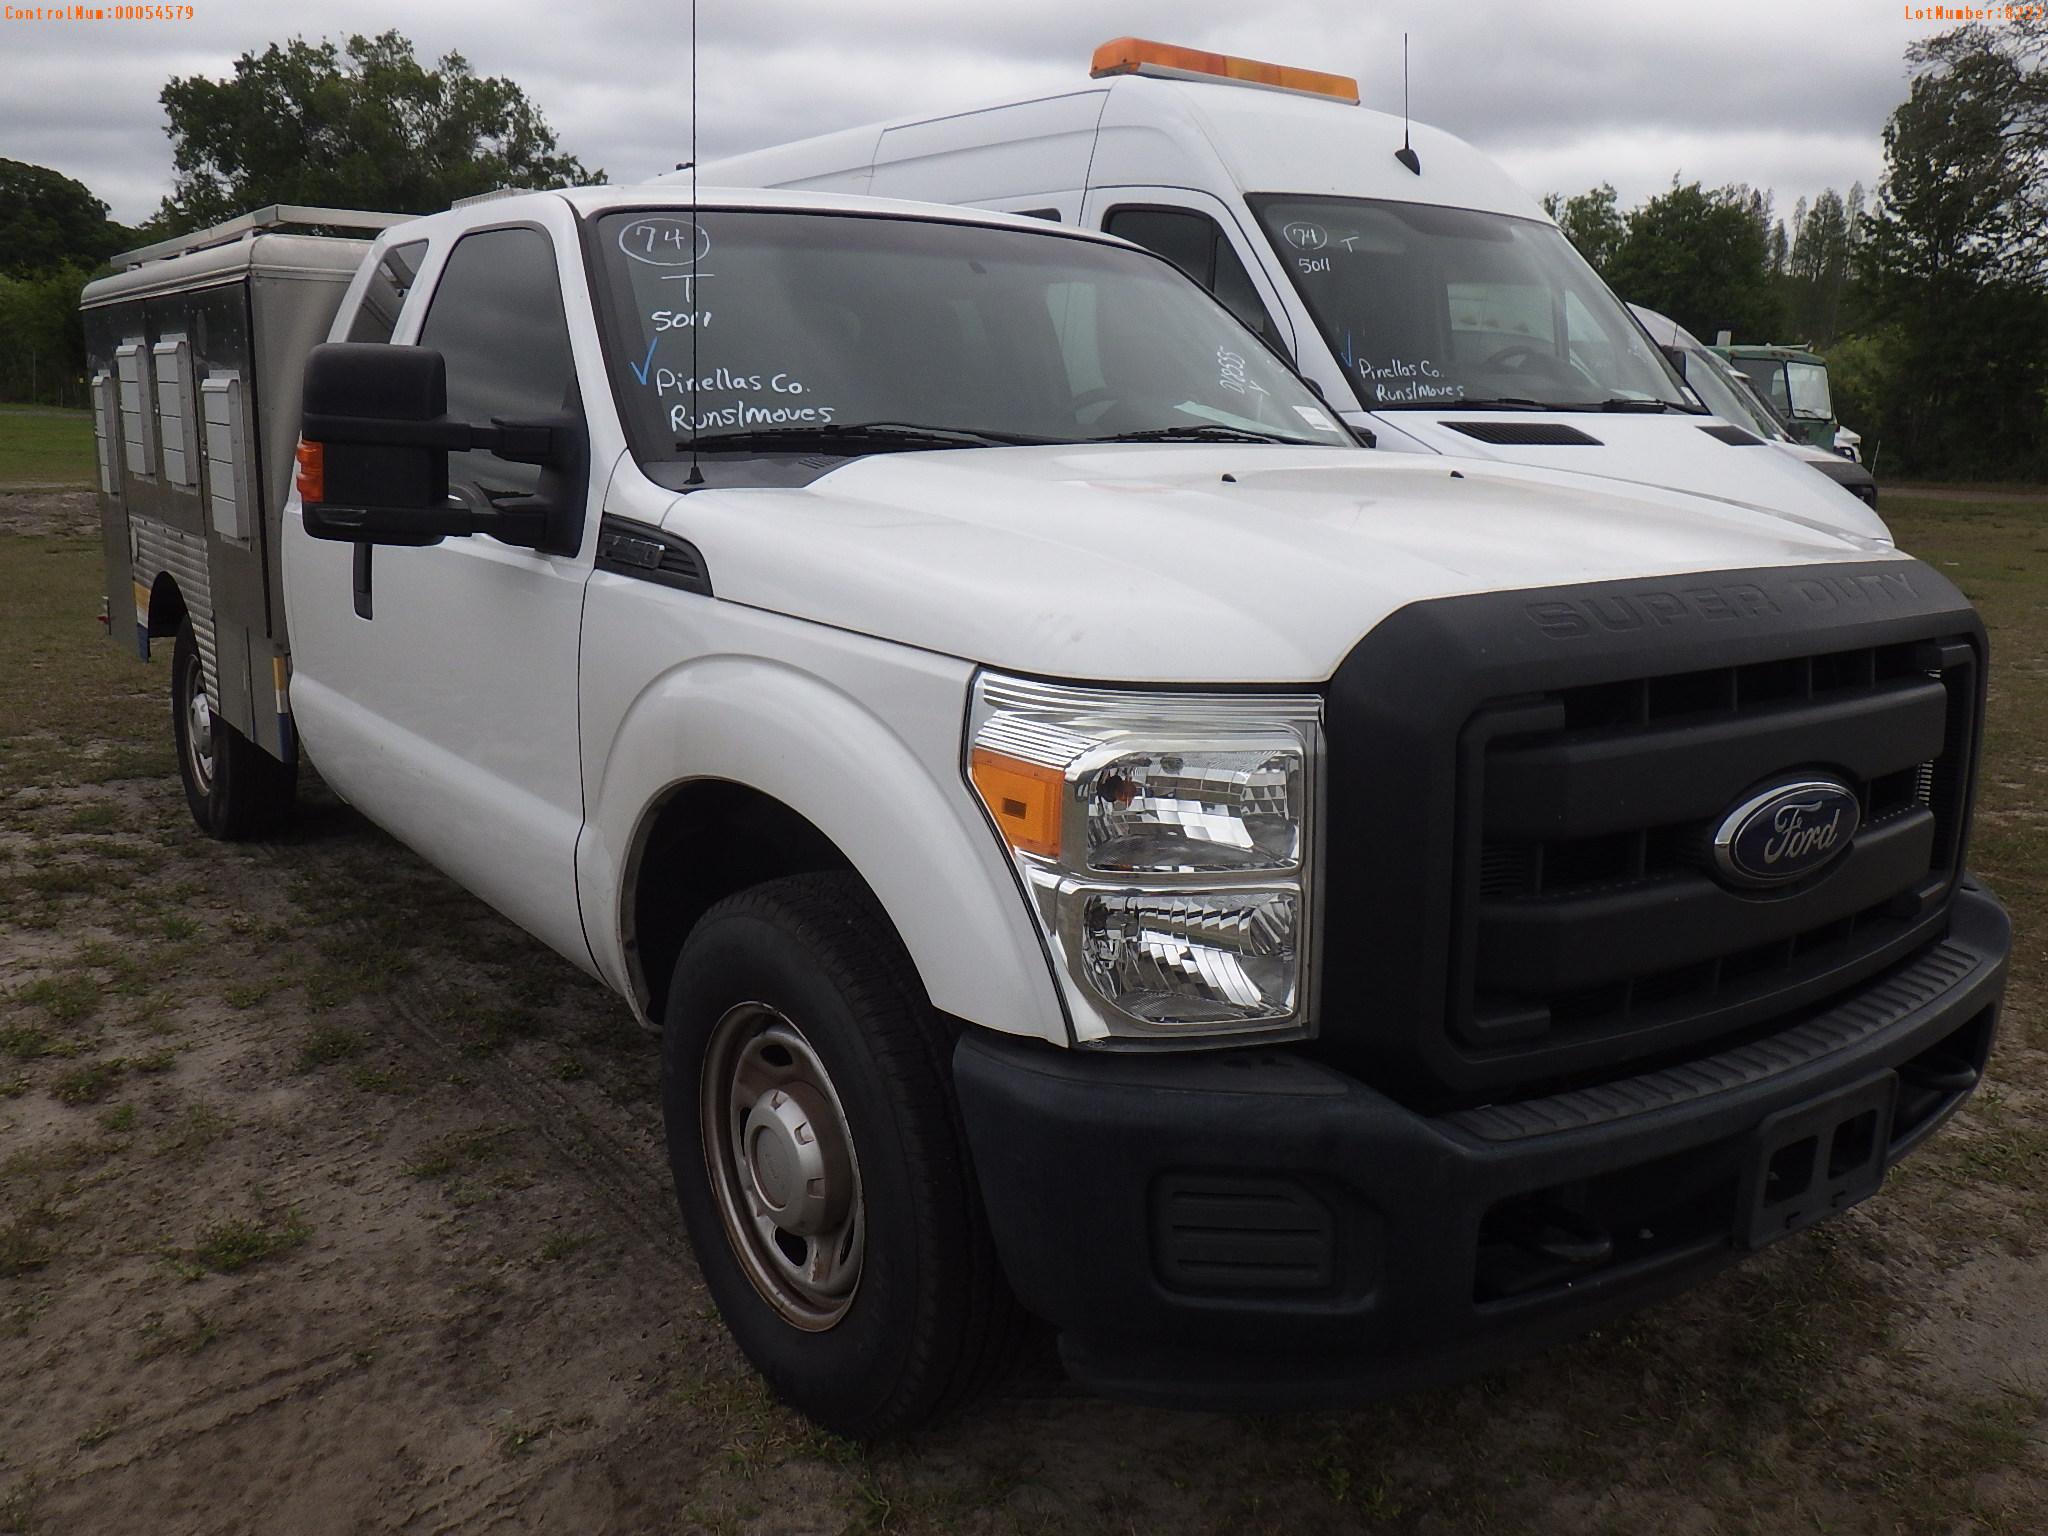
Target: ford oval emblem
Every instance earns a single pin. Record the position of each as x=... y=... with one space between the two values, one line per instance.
x=1786 y=832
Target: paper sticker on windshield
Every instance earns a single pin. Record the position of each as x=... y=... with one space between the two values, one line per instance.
x=1315 y=418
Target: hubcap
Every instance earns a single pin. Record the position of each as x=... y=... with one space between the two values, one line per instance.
x=198 y=724
x=782 y=1165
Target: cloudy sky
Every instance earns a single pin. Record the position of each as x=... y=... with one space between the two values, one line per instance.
x=1790 y=97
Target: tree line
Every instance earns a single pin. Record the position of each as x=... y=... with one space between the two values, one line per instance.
x=1929 y=300
x=362 y=124
x=1928 y=296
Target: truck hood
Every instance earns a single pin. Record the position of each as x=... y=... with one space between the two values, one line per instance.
x=1195 y=563
x=1667 y=451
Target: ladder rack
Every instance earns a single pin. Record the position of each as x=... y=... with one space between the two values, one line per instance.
x=263 y=220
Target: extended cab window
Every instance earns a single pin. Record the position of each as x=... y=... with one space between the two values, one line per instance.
x=1196 y=244
x=496 y=318
x=800 y=325
x=377 y=316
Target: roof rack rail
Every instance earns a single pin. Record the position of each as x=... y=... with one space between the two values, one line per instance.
x=244 y=226
x=490 y=197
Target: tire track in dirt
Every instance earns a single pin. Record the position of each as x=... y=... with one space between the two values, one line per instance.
x=284 y=1139
x=629 y=1170
x=216 y=1408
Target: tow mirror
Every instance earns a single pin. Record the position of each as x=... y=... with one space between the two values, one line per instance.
x=370 y=469
x=373 y=456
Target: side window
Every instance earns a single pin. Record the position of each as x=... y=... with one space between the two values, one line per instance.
x=1769 y=379
x=377 y=317
x=496 y=317
x=1196 y=244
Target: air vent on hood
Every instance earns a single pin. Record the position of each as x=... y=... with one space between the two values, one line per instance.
x=1734 y=437
x=1543 y=434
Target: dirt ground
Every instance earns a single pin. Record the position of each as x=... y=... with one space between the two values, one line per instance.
x=331 y=1203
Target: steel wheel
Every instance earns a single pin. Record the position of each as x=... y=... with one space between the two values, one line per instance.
x=198 y=721
x=782 y=1165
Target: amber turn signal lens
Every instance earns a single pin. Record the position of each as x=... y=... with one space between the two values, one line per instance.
x=312 y=459
x=1023 y=797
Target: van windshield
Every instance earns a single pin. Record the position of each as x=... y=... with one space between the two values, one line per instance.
x=1429 y=307
x=843 y=333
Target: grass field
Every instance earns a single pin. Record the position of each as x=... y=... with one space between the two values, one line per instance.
x=310 y=1164
x=43 y=446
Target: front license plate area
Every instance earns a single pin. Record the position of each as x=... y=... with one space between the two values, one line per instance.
x=1810 y=1161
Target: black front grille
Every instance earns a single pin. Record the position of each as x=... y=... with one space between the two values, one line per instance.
x=1516 y=896
x=1591 y=930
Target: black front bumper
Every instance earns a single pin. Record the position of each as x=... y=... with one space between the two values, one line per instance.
x=1255 y=1229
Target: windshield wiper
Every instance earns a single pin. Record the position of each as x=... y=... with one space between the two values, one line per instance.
x=1646 y=407
x=1475 y=403
x=1202 y=432
x=866 y=435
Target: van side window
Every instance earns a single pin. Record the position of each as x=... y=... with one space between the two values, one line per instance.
x=377 y=317
x=1196 y=244
x=496 y=317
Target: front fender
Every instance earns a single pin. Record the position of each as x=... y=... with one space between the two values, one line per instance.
x=860 y=737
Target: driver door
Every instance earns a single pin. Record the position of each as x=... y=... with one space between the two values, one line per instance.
x=450 y=687
x=1196 y=233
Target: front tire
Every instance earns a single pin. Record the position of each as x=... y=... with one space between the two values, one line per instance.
x=820 y=1164
x=234 y=788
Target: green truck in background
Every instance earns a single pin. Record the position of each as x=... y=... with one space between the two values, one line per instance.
x=1795 y=382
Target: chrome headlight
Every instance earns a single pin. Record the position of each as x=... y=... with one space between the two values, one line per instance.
x=1166 y=843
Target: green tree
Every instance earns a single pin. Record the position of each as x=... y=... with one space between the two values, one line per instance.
x=1956 y=259
x=1701 y=257
x=47 y=221
x=1591 y=222
x=366 y=125
x=42 y=343
x=1818 y=268
x=1999 y=72
x=53 y=234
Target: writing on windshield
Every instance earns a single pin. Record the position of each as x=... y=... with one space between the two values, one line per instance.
x=1427 y=306
x=772 y=324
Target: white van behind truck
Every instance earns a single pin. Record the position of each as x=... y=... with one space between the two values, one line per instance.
x=1427 y=296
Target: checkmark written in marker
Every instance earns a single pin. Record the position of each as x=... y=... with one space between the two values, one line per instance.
x=640 y=368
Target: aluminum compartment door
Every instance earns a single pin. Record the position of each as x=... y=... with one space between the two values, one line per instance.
x=100 y=339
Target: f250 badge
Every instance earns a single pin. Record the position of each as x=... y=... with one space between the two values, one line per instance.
x=1786 y=832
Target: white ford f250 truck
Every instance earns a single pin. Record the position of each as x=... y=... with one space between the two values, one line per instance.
x=1098 y=843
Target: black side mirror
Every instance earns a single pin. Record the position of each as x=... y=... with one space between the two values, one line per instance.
x=373 y=458
x=363 y=476
x=1673 y=355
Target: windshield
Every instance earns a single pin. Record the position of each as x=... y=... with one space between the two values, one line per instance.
x=1429 y=306
x=1810 y=391
x=869 y=333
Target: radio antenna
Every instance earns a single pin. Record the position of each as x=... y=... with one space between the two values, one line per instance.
x=1406 y=153
x=696 y=475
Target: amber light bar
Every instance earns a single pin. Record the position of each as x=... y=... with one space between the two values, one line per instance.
x=1141 y=56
